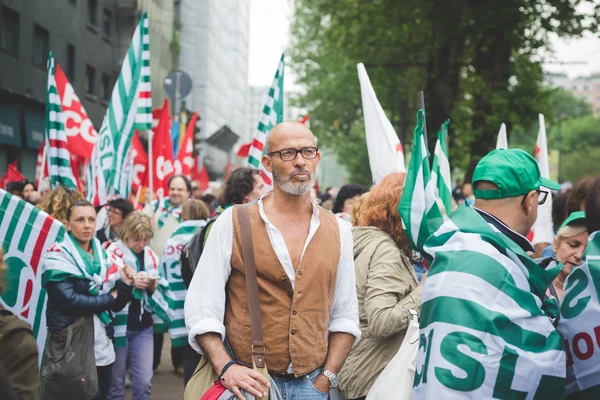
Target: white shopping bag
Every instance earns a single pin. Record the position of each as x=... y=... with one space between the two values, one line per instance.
x=397 y=378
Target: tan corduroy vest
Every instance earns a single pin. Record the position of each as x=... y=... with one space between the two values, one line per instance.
x=295 y=321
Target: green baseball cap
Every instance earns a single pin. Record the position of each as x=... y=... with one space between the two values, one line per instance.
x=577 y=216
x=514 y=171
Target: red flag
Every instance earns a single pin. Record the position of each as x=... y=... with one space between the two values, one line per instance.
x=81 y=134
x=244 y=150
x=185 y=161
x=305 y=119
x=162 y=153
x=203 y=179
x=140 y=162
x=13 y=174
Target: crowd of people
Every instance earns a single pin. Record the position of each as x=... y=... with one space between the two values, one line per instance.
x=338 y=282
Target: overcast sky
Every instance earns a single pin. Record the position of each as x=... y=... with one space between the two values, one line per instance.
x=269 y=36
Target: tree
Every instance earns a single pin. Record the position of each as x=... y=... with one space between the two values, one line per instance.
x=478 y=61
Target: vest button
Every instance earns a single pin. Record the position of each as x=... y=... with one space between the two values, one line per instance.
x=299 y=272
x=293 y=332
x=283 y=278
x=290 y=294
x=294 y=313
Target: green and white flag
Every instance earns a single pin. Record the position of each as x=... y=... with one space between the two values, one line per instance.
x=580 y=324
x=171 y=270
x=160 y=304
x=58 y=155
x=129 y=109
x=440 y=169
x=421 y=215
x=25 y=235
x=272 y=115
x=486 y=329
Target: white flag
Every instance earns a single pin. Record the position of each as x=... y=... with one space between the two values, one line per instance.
x=502 y=142
x=385 y=150
x=543 y=231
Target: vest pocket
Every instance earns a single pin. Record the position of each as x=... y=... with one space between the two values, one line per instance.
x=243 y=331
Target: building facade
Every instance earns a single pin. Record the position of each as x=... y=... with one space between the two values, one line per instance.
x=585 y=87
x=213 y=40
x=88 y=39
x=81 y=34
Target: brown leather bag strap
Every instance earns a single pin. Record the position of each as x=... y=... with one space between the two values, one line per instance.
x=258 y=346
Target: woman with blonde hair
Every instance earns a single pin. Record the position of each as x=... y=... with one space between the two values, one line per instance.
x=386 y=286
x=569 y=245
x=133 y=331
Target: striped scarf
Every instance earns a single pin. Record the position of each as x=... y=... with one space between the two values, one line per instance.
x=486 y=330
x=159 y=304
x=580 y=326
x=66 y=259
x=171 y=269
x=162 y=209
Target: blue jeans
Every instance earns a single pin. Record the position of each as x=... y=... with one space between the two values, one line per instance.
x=139 y=351
x=301 y=388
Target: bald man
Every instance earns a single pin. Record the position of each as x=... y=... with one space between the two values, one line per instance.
x=305 y=272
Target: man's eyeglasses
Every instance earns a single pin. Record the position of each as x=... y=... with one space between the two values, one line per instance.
x=115 y=211
x=542 y=196
x=309 y=153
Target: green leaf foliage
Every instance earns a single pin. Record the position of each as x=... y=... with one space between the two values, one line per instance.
x=479 y=63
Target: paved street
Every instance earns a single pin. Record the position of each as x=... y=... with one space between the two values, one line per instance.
x=165 y=384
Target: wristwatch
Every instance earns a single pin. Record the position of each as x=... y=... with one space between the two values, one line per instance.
x=333 y=379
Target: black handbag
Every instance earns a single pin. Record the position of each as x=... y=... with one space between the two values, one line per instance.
x=69 y=363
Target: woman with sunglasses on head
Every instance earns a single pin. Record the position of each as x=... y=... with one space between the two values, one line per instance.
x=133 y=331
x=84 y=287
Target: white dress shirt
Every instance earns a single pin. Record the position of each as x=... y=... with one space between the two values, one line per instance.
x=205 y=300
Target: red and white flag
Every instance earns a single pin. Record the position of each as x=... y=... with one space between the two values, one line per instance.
x=80 y=131
x=162 y=154
x=140 y=162
x=185 y=159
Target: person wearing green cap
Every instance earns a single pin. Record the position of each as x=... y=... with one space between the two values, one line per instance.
x=569 y=245
x=486 y=327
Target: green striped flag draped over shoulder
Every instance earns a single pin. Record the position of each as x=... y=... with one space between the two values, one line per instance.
x=421 y=215
x=129 y=109
x=160 y=304
x=58 y=155
x=580 y=324
x=171 y=270
x=485 y=329
x=25 y=235
x=440 y=169
x=271 y=115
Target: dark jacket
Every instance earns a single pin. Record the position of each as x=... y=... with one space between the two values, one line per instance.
x=19 y=371
x=70 y=299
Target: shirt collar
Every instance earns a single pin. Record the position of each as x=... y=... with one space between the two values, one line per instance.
x=261 y=208
x=516 y=237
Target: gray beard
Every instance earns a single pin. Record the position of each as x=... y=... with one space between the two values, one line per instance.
x=295 y=189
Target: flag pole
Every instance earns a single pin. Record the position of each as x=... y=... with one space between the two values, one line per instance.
x=150 y=168
x=422 y=107
x=43 y=166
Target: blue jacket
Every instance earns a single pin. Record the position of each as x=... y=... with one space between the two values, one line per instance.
x=70 y=299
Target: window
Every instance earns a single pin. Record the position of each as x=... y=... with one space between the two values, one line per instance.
x=41 y=46
x=92 y=12
x=70 y=62
x=90 y=80
x=9 y=31
x=105 y=87
x=107 y=23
